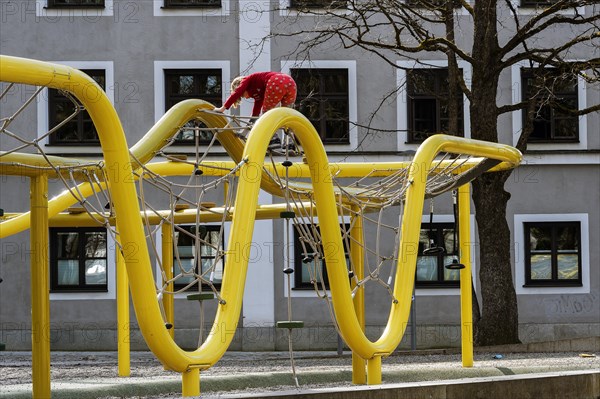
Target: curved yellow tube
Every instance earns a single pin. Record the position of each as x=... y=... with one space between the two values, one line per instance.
x=252 y=178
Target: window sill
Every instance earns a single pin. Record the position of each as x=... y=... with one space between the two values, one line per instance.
x=196 y=6
x=80 y=291
x=75 y=6
x=553 y=285
x=436 y=286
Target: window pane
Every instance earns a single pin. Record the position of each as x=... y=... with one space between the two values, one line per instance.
x=208 y=250
x=540 y=238
x=336 y=83
x=427 y=269
x=68 y=244
x=450 y=275
x=185 y=266
x=95 y=245
x=217 y=270
x=541 y=267
x=68 y=272
x=449 y=241
x=567 y=238
x=183 y=84
x=568 y=267
x=95 y=272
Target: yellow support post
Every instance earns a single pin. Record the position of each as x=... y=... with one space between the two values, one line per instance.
x=374 y=370
x=190 y=382
x=466 y=291
x=167 y=265
x=123 y=331
x=359 y=373
x=40 y=294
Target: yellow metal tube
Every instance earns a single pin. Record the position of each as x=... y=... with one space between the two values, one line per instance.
x=466 y=291
x=167 y=266
x=123 y=329
x=190 y=383
x=40 y=288
x=357 y=253
x=374 y=370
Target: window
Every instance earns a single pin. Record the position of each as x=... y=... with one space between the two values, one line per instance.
x=552 y=254
x=428 y=112
x=307 y=268
x=323 y=99
x=432 y=4
x=537 y=3
x=431 y=270
x=79 y=130
x=329 y=4
x=210 y=248
x=192 y=3
x=78 y=260
x=75 y=3
x=552 y=122
x=183 y=84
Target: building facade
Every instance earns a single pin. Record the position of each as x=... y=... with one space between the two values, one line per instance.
x=150 y=54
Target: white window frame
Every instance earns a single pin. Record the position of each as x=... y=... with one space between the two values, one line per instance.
x=402 y=98
x=519 y=240
x=527 y=10
x=43 y=115
x=350 y=66
x=517 y=116
x=111 y=292
x=286 y=10
x=55 y=14
x=217 y=11
x=159 y=90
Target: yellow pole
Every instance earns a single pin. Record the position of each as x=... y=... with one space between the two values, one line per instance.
x=167 y=264
x=374 y=370
x=190 y=382
x=466 y=299
x=359 y=374
x=40 y=295
x=123 y=332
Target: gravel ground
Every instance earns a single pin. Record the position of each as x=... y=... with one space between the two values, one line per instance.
x=15 y=367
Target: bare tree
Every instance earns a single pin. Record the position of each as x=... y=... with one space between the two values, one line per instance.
x=497 y=36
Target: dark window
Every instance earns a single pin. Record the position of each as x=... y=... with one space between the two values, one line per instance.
x=76 y=3
x=307 y=267
x=428 y=111
x=184 y=84
x=431 y=270
x=537 y=3
x=554 y=95
x=78 y=259
x=329 y=4
x=210 y=248
x=323 y=99
x=552 y=254
x=432 y=4
x=79 y=130
x=192 y=3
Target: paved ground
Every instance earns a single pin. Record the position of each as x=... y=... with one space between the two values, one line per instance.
x=94 y=374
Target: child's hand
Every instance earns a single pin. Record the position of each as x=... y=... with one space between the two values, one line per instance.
x=220 y=109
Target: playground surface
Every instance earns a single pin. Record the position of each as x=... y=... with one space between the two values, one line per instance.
x=240 y=374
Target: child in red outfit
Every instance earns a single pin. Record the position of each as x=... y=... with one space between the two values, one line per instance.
x=266 y=88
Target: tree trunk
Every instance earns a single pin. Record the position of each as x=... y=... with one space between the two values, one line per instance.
x=499 y=322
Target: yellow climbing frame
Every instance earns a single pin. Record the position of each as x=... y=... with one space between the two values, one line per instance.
x=251 y=155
